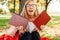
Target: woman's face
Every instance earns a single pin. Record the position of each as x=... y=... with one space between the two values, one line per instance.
x=31 y=8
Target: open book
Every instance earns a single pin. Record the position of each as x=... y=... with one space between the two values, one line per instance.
x=42 y=19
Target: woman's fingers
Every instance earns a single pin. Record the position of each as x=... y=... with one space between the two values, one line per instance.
x=20 y=28
x=42 y=27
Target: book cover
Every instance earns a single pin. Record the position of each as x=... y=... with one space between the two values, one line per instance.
x=42 y=19
x=18 y=20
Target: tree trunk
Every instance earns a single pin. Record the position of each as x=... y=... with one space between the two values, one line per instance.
x=21 y=5
x=47 y=3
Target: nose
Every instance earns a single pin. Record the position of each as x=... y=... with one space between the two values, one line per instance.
x=31 y=7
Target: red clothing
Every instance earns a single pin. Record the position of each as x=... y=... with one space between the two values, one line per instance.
x=45 y=38
x=16 y=37
x=7 y=37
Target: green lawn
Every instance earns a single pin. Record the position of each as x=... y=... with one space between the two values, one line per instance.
x=4 y=21
x=55 y=20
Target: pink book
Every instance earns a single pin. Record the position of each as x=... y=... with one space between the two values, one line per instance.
x=18 y=20
x=42 y=19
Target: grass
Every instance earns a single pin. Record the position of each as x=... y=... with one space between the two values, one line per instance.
x=55 y=20
x=56 y=38
x=4 y=22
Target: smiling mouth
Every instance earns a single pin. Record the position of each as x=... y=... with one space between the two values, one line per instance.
x=30 y=10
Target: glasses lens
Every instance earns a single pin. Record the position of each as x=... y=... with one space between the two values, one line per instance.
x=33 y=5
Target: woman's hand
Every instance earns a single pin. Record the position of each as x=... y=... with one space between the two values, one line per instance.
x=43 y=27
x=20 y=28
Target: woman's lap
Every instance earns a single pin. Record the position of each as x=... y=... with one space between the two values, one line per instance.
x=35 y=35
x=30 y=36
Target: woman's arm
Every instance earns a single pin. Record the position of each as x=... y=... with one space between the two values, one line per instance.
x=12 y=31
x=20 y=28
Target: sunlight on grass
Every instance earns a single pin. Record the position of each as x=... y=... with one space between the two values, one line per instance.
x=55 y=20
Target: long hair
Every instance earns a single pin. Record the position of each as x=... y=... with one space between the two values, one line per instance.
x=24 y=12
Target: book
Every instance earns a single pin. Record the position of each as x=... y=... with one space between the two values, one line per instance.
x=42 y=19
x=18 y=20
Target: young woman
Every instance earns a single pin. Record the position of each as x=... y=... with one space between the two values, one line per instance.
x=30 y=12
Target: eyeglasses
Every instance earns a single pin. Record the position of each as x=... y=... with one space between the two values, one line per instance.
x=29 y=5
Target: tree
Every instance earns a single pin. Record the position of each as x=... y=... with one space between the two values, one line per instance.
x=47 y=3
x=21 y=5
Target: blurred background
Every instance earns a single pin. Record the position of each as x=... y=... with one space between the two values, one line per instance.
x=8 y=7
